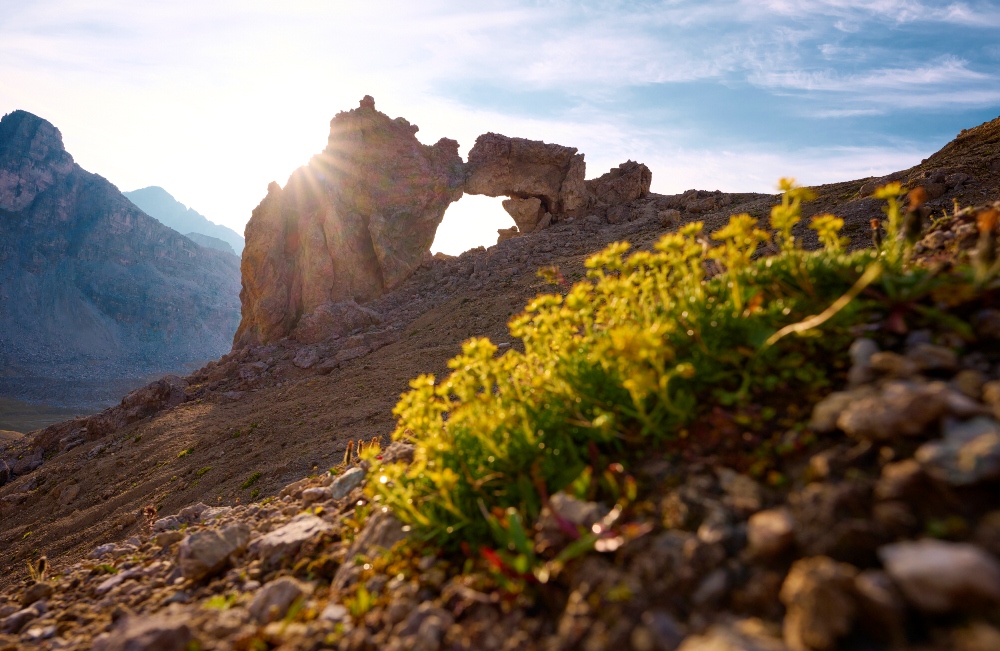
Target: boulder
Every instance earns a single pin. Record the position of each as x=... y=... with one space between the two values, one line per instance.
x=168 y=391
x=354 y=222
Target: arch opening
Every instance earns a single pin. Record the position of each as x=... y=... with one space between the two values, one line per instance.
x=471 y=221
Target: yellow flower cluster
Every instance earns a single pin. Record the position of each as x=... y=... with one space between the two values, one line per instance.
x=622 y=360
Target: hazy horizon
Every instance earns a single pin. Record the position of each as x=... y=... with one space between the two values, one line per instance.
x=213 y=102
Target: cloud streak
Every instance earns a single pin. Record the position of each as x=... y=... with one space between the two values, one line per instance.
x=214 y=100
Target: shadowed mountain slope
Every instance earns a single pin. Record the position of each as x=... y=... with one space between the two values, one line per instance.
x=95 y=295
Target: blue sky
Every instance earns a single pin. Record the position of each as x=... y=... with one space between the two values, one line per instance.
x=214 y=100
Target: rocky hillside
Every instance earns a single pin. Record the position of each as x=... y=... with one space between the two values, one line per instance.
x=872 y=523
x=95 y=295
x=157 y=202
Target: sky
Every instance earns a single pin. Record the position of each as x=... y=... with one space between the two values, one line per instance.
x=214 y=100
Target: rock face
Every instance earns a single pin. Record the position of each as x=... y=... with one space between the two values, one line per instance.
x=354 y=222
x=95 y=294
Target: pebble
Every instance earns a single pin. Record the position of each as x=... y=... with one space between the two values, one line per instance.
x=746 y=635
x=579 y=512
x=818 y=596
x=770 y=532
x=938 y=576
x=40 y=590
x=899 y=409
x=146 y=634
x=102 y=550
x=274 y=599
x=14 y=623
x=968 y=454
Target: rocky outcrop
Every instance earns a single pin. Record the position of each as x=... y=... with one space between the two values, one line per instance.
x=361 y=216
x=527 y=170
x=95 y=295
x=145 y=401
x=354 y=222
x=545 y=182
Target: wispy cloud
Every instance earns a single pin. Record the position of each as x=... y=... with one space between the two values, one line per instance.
x=213 y=100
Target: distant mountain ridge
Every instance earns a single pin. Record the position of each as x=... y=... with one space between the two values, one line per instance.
x=161 y=205
x=95 y=295
x=210 y=242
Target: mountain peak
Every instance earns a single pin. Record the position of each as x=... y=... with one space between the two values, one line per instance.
x=32 y=156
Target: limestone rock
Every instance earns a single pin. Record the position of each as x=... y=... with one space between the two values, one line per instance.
x=355 y=221
x=306 y=357
x=381 y=532
x=938 y=576
x=204 y=553
x=285 y=541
